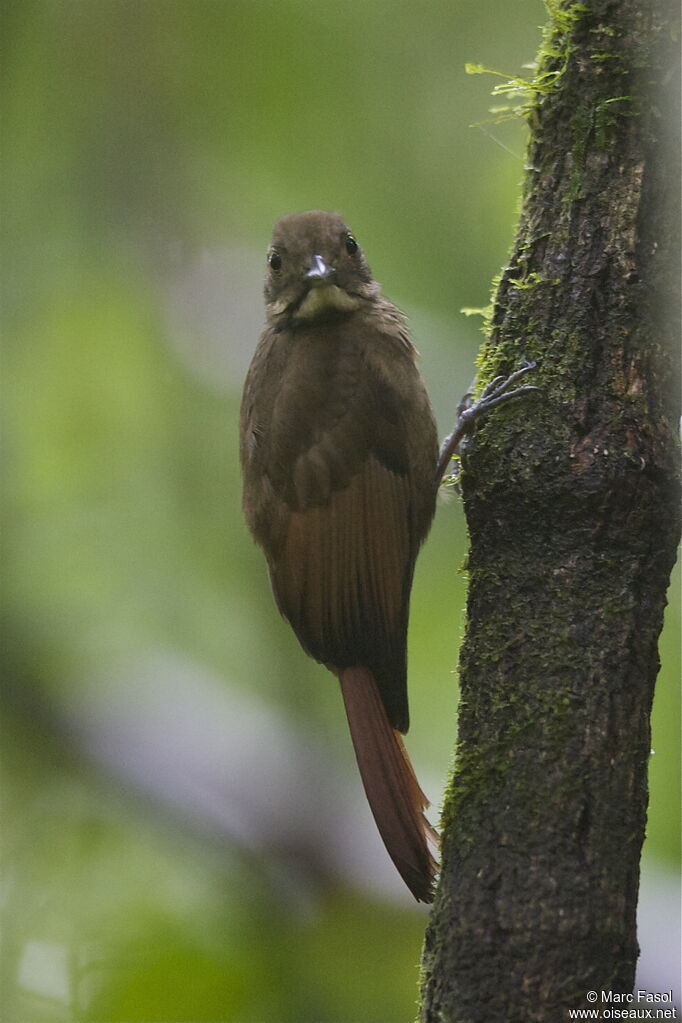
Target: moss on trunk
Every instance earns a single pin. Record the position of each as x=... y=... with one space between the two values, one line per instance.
x=572 y=503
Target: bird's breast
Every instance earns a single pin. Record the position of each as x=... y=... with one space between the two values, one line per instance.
x=317 y=391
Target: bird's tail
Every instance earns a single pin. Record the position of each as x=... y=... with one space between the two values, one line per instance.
x=391 y=786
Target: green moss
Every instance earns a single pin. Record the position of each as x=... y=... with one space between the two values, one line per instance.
x=531 y=281
x=591 y=125
x=606 y=118
x=581 y=129
x=484 y=311
x=549 y=66
x=480 y=770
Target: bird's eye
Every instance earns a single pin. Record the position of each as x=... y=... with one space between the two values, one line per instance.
x=351 y=245
x=275 y=261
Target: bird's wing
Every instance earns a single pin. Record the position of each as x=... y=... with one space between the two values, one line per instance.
x=342 y=579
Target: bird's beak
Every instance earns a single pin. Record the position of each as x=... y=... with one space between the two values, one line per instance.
x=319 y=271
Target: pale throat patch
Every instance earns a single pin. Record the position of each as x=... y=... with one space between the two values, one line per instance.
x=325 y=297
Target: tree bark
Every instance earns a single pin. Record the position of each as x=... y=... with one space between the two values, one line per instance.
x=572 y=499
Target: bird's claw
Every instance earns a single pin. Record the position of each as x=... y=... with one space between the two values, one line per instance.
x=498 y=389
x=494 y=393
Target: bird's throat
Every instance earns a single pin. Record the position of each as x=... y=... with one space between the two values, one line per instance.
x=325 y=298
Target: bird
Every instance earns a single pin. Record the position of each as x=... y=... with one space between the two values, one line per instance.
x=341 y=469
x=338 y=451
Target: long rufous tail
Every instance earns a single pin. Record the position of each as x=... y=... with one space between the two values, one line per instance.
x=391 y=786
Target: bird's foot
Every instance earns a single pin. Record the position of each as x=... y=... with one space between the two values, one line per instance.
x=470 y=412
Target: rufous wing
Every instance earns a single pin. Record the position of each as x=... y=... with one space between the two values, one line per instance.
x=342 y=577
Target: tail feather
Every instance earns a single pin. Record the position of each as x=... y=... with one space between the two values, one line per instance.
x=391 y=786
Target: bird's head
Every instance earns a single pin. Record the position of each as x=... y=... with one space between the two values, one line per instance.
x=316 y=269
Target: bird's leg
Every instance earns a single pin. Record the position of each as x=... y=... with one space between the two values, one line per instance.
x=469 y=412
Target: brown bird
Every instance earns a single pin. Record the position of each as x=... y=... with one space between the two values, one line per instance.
x=339 y=453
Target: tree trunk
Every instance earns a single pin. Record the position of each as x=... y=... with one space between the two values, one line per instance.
x=571 y=498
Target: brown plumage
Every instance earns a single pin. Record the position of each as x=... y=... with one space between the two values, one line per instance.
x=338 y=451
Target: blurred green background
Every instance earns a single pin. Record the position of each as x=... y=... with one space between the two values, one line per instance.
x=184 y=833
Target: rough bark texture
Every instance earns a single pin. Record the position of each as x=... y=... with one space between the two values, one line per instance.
x=572 y=502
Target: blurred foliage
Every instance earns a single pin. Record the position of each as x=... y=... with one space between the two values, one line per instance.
x=148 y=145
